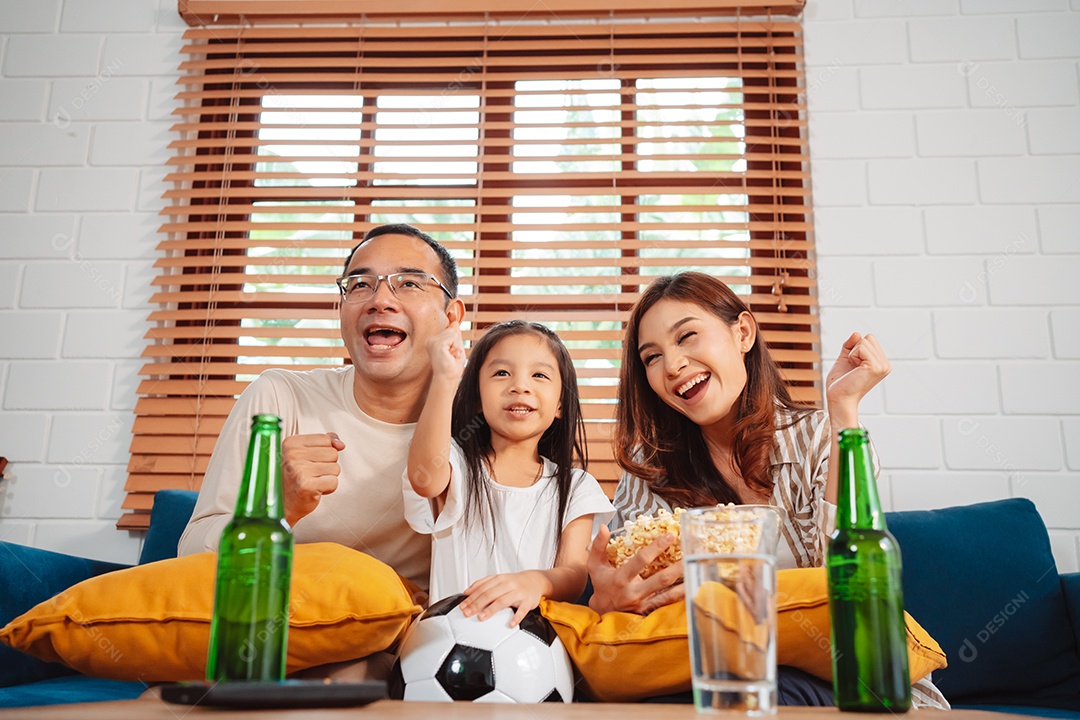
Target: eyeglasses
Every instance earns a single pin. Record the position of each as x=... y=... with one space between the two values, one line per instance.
x=357 y=288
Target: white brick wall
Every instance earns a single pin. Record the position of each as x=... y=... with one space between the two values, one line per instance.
x=991 y=333
x=898 y=86
x=869 y=42
x=964 y=132
x=1071 y=431
x=866 y=231
x=848 y=135
x=1033 y=280
x=961 y=38
x=107 y=16
x=1008 y=444
x=1013 y=85
x=24 y=436
x=86 y=94
x=1030 y=179
x=941 y=389
x=1032 y=388
x=945 y=145
x=921 y=182
x=836 y=183
x=1059 y=228
x=1065 y=329
x=84 y=438
x=23 y=99
x=926 y=281
x=9 y=284
x=53 y=55
x=86 y=189
x=35 y=144
x=936 y=489
x=51 y=491
x=72 y=284
x=971 y=239
x=904 y=334
x=36 y=236
x=907 y=442
x=99 y=98
x=30 y=334
x=1054 y=130
x=70 y=385
x=1048 y=36
x=979 y=229
x=29 y=17
x=121 y=235
x=129 y=143
x=15 y=189
x=979 y=7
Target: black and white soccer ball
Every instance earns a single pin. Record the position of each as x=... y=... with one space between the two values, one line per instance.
x=447 y=656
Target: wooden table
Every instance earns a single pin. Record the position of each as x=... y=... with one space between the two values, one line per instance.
x=148 y=708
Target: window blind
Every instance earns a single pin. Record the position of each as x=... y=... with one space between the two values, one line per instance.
x=564 y=164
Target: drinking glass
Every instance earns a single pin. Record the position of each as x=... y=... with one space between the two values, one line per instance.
x=729 y=562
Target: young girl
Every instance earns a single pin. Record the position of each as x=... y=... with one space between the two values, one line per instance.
x=491 y=472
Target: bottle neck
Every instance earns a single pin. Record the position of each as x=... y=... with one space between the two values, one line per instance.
x=858 y=505
x=261 y=494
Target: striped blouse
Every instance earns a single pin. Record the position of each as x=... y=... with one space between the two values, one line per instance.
x=799 y=463
x=799 y=466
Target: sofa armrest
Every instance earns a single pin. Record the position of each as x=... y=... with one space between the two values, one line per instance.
x=1070 y=584
x=29 y=576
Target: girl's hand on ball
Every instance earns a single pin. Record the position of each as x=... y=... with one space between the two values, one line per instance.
x=491 y=594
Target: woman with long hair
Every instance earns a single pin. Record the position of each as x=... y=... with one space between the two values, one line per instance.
x=704 y=417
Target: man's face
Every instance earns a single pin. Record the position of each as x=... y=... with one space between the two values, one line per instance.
x=386 y=335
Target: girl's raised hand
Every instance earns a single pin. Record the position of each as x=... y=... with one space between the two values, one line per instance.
x=447 y=354
x=861 y=365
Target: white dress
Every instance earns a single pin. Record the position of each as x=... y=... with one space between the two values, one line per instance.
x=525 y=531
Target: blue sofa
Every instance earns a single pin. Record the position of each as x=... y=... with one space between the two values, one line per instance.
x=980 y=578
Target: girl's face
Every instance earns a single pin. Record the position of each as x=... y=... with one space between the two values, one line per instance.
x=520 y=388
x=694 y=360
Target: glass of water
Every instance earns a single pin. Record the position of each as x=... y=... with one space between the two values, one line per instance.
x=729 y=562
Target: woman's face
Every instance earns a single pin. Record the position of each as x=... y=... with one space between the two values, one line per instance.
x=694 y=360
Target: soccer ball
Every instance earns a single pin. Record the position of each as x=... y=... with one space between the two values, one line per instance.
x=447 y=656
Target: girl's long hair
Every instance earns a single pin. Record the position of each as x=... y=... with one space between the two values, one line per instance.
x=665 y=448
x=563 y=442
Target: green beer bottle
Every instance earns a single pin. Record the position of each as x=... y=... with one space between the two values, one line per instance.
x=250 y=624
x=866 y=599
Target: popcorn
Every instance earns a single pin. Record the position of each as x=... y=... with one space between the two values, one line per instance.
x=635 y=534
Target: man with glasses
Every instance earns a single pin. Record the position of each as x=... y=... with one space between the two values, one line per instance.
x=347 y=429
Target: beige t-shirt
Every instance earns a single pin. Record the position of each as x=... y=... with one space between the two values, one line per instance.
x=366 y=511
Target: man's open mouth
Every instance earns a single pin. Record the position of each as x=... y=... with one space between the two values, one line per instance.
x=380 y=337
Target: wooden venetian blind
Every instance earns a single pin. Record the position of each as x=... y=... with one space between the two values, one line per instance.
x=565 y=166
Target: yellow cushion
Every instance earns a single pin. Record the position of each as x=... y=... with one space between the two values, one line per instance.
x=607 y=649
x=152 y=622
